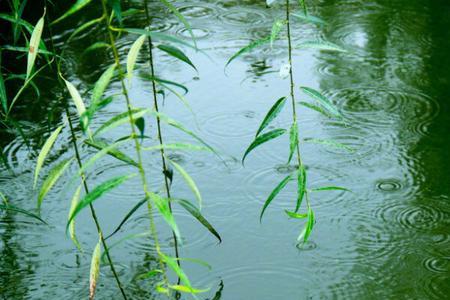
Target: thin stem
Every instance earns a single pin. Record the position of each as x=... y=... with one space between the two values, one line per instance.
x=158 y=126
x=135 y=138
x=85 y=185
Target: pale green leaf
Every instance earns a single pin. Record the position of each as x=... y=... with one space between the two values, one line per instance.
x=295 y=215
x=329 y=143
x=189 y=181
x=276 y=29
x=73 y=204
x=120 y=119
x=34 y=44
x=162 y=204
x=320 y=45
x=53 y=176
x=95 y=270
x=248 y=48
x=76 y=97
x=274 y=193
x=186 y=289
x=301 y=186
x=324 y=101
x=330 y=188
x=133 y=54
x=112 y=151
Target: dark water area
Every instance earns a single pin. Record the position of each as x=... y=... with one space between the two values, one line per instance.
x=388 y=239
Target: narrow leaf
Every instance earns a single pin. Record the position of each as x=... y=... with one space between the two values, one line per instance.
x=295 y=215
x=158 y=36
x=81 y=108
x=272 y=114
x=325 y=102
x=301 y=186
x=293 y=140
x=197 y=214
x=75 y=7
x=172 y=263
x=133 y=54
x=44 y=152
x=276 y=29
x=53 y=176
x=120 y=119
x=186 y=289
x=310 y=19
x=190 y=182
x=163 y=206
x=274 y=193
x=95 y=270
x=73 y=204
x=262 y=139
x=110 y=150
x=177 y=53
x=96 y=193
x=102 y=83
x=3 y=96
x=127 y=216
x=316 y=108
x=330 y=188
x=320 y=45
x=34 y=44
x=176 y=146
x=248 y=48
x=329 y=143
x=12 y=208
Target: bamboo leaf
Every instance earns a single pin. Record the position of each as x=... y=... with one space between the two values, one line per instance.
x=44 y=152
x=329 y=143
x=127 y=216
x=262 y=139
x=95 y=270
x=320 y=45
x=301 y=186
x=120 y=119
x=53 y=176
x=110 y=150
x=133 y=54
x=75 y=7
x=295 y=215
x=325 y=102
x=190 y=182
x=274 y=193
x=96 y=193
x=177 y=53
x=73 y=204
x=272 y=114
x=163 y=206
x=180 y=17
x=330 y=188
x=248 y=48
x=197 y=214
x=293 y=140
x=34 y=44
x=276 y=29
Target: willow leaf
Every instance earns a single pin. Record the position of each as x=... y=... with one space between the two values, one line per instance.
x=176 y=146
x=190 y=182
x=120 y=119
x=276 y=29
x=128 y=216
x=34 y=44
x=177 y=53
x=272 y=114
x=248 y=48
x=9 y=207
x=96 y=193
x=180 y=17
x=293 y=140
x=330 y=188
x=320 y=45
x=186 y=289
x=95 y=270
x=301 y=186
x=76 y=97
x=262 y=139
x=195 y=212
x=133 y=54
x=3 y=96
x=274 y=193
x=329 y=143
x=44 y=152
x=163 y=206
x=53 y=176
x=325 y=102
x=75 y=7
x=110 y=150
x=295 y=215
x=158 y=36
x=73 y=204
x=165 y=81
x=172 y=263
x=316 y=108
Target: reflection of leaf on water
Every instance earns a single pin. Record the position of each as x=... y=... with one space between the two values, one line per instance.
x=218 y=294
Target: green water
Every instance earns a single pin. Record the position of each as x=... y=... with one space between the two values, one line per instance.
x=389 y=239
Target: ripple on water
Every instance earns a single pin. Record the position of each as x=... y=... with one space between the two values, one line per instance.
x=218 y=125
x=242 y=17
x=198 y=11
x=198 y=33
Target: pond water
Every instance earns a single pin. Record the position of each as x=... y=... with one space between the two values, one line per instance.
x=389 y=238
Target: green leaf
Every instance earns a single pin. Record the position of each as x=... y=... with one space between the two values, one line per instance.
x=316 y=108
x=83 y=27
x=248 y=48
x=53 y=176
x=180 y=17
x=276 y=29
x=8 y=207
x=293 y=140
x=120 y=119
x=330 y=188
x=96 y=193
x=308 y=226
x=165 y=81
x=75 y=7
x=140 y=124
x=262 y=139
x=133 y=54
x=329 y=143
x=274 y=193
x=177 y=53
x=94 y=272
x=186 y=289
x=73 y=204
x=272 y=114
x=172 y=264
x=87 y=116
x=176 y=146
x=128 y=216
x=320 y=45
x=44 y=152
x=325 y=102
x=3 y=96
x=117 y=10
x=19 y=21
x=110 y=150
x=302 y=4
x=190 y=182
x=95 y=46
x=163 y=206
x=295 y=215
x=197 y=214
x=301 y=186
x=34 y=44
x=76 y=97
x=158 y=36
x=310 y=19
